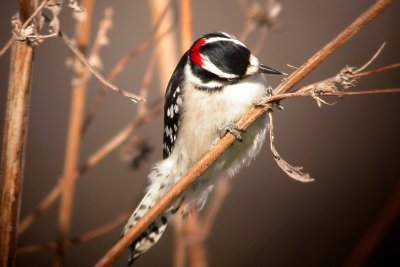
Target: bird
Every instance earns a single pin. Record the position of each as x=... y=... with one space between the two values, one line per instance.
x=215 y=83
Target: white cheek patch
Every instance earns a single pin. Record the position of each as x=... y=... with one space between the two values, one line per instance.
x=254 y=66
x=197 y=82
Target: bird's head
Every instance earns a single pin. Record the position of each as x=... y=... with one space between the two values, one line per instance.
x=218 y=58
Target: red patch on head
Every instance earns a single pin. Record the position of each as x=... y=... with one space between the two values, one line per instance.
x=195 y=53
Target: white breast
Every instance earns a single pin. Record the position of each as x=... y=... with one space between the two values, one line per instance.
x=203 y=114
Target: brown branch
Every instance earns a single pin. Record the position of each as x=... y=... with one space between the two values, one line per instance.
x=313 y=94
x=87 y=236
x=101 y=39
x=370 y=72
x=70 y=172
x=34 y=14
x=193 y=236
x=167 y=48
x=6 y=47
x=14 y=141
x=70 y=44
x=221 y=191
x=258 y=15
x=370 y=239
x=228 y=139
x=180 y=244
x=333 y=45
x=43 y=206
x=186 y=25
x=147 y=78
x=96 y=157
x=92 y=160
x=154 y=38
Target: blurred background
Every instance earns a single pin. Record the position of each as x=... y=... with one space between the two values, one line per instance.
x=268 y=219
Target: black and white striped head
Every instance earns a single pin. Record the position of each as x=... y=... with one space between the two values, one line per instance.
x=218 y=58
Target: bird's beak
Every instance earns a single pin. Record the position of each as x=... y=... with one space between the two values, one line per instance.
x=265 y=69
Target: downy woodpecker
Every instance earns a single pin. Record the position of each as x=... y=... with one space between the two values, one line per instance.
x=214 y=84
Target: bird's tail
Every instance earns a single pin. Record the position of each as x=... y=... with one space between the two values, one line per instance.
x=159 y=186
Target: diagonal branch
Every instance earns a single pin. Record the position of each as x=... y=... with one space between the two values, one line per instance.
x=70 y=44
x=201 y=166
x=87 y=236
x=154 y=38
x=6 y=47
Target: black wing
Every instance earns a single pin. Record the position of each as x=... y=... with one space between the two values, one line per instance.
x=173 y=107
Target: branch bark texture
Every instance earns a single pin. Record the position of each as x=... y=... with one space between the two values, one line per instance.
x=14 y=141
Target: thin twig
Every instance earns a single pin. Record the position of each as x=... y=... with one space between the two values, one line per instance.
x=101 y=39
x=228 y=139
x=195 y=246
x=147 y=78
x=72 y=151
x=221 y=191
x=6 y=47
x=333 y=45
x=70 y=44
x=369 y=72
x=258 y=15
x=34 y=14
x=87 y=236
x=167 y=48
x=92 y=161
x=154 y=38
x=180 y=244
x=186 y=24
x=152 y=112
x=310 y=93
x=372 y=59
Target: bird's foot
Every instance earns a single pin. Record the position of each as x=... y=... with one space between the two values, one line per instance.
x=232 y=128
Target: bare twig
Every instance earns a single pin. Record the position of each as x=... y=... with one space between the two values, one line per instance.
x=228 y=139
x=369 y=72
x=180 y=244
x=264 y=16
x=6 y=47
x=291 y=171
x=152 y=112
x=93 y=160
x=167 y=48
x=147 y=78
x=186 y=24
x=29 y=31
x=87 y=236
x=79 y=88
x=14 y=141
x=195 y=246
x=34 y=14
x=154 y=38
x=96 y=73
x=43 y=206
x=333 y=45
x=221 y=191
x=372 y=59
x=101 y=38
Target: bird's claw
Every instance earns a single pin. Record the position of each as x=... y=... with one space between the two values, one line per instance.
x=233 y=129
